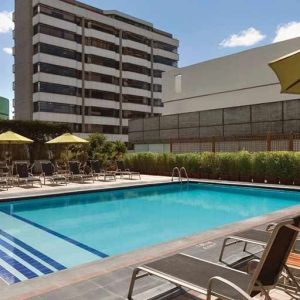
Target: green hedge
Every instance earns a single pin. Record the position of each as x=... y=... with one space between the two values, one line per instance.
x=273 y=167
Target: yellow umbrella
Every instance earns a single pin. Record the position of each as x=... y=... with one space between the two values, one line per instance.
x=67 y=138
x=10 y=137
x=287 y=69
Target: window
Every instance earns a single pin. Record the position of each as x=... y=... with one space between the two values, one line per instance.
x=157 y=102
x=165 y=61
x=136 y=53
x=164 y=46
x=128 y=114
x=56 y=32
x=108 y=129
x=178 y=83
x=157 y=88
x=157 y=73
x=136 y=38
x=136 y=84
x=104 y=28
x=103 y=78
x=136 y=99
x=57 y=108
x=136 y=68
x=57 y=70
x=103 y=61
x=102 y=44
x=54 y=12
x=104 y=95
x=104 y=112
x=57 y=51
x=46 y=87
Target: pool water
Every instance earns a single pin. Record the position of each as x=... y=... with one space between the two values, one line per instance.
x=65 y=231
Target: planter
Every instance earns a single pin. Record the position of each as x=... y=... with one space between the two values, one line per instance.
x=297 y=181
x=287 y=181
x=258 y=179
x=272 y=180
x=246 y=178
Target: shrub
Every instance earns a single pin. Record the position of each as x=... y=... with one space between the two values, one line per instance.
x=259 y=164
x=228 y=164
x=244 y=163
x=209 y=164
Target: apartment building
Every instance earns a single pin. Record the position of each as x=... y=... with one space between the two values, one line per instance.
x=88 y=67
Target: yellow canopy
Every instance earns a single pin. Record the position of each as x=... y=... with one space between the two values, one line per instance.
x=10 y=137
x=67 y=138
x=287 y=69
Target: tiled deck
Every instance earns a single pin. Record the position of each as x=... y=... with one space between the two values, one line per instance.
x=109 y=279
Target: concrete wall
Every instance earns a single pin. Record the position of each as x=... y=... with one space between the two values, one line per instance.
x=249 y=120
x=234 y=80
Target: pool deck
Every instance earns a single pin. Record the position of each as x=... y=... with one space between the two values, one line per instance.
x=108 y=279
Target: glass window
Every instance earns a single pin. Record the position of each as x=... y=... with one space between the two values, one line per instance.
x=136 y=84
x=136 y=38
x=57 y=51
x=57 y=107
x=54 y=88
x=103 y=61
x=157 y=88
x=104 y=95
x=136 y=68
x=57 y=70
x=164 y=46
x=165 y=61
x=136 y=53
x=157 y=73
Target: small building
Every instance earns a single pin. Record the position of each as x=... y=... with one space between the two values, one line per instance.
x=225 y=104
x=4 y=108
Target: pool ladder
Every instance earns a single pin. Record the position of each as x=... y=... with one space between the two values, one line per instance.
x=179 y=172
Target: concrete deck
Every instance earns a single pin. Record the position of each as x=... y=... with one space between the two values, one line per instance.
x=109 y=278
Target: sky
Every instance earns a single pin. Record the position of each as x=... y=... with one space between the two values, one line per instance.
x=206 y=29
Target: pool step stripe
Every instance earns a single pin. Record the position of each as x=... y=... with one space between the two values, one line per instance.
x=66 y=238
x=30 y=260
x=7 y=276
x=17 y=265
x=33 y=251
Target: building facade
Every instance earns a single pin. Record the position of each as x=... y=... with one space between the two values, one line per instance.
x=226 y=104
x=4 y=108
x=91 y=68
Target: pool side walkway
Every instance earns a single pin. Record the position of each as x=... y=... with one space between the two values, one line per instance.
x=109 y=278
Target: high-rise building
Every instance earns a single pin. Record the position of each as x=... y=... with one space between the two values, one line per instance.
x=94 y=69
x=4 y=108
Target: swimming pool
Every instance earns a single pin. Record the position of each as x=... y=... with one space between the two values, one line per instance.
x=49 y=234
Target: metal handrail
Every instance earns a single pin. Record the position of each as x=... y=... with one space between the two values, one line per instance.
x=178 y=172
x=185 y=173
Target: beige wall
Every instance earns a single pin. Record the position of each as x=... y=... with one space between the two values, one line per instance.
x=235 y=80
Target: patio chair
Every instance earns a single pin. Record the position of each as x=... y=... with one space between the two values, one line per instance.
x=76 y=173
x=255 y=237
x=97 y=171
x=221 y=281
x=122 y=170
x=48 y=172
x=23 y=175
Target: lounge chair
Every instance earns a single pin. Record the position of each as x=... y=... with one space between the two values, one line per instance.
x=255 y=237
x=4 y=179
x=23 y=175
x=48 y=172
x=97 y=171
x=221 y=281
x=76 y=173
x=122 y=170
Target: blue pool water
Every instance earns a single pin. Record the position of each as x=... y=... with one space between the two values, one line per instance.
x=64 y=231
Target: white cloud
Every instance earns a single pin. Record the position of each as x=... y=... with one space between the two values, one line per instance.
x=8 y=50
x=287 y=31
x=6 y=22
x=247 y=37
